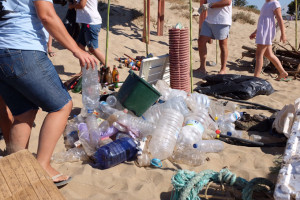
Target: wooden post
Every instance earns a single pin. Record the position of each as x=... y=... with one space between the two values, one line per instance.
x=148 y=20
x=296 y=24
x=160 y=17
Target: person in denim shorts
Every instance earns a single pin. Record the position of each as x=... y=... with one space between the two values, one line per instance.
x=28 y=79
x=88 y=16
x=216 y=26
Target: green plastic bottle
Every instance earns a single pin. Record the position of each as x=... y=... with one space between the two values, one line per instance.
x=78 y=86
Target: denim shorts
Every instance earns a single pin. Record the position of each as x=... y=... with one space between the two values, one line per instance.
x=28 y=80
x=88 y=35
x=215 y=31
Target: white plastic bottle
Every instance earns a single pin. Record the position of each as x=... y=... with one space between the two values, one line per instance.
x=177 y=103
x=209 y=146
x=186 y=154
x=165 y=134
x=228 y=128
x=232 y=117
x=90 y=88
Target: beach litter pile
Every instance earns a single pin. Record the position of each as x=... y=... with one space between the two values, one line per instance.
x=147 y=124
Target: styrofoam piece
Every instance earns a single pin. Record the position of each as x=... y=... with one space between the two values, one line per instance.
x=288 y=182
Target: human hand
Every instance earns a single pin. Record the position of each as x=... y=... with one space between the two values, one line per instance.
x=85 y=59
x=204 y=7
x=253 y=36
x=283 y=38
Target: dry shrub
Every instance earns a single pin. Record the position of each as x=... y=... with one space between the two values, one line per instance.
x=244 y=18
x=250 y=9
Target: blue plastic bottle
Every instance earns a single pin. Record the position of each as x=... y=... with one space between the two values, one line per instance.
x=115 y=153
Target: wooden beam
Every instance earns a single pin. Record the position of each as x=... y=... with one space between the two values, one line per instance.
x=160 y=17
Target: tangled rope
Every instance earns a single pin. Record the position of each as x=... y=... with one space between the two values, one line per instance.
x=188 y=184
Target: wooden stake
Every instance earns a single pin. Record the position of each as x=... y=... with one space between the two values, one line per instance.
x=160 y=17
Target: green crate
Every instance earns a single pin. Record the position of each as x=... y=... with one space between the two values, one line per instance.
x=136 y=94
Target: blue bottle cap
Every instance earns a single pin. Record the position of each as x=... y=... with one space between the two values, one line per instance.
x=90 y=111
x=195 y=146
x=229 y=133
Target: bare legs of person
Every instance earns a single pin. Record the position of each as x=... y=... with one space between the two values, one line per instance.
x=51 y=130
x=202 y=42
x=6 y=120
x=224 y=55
x=266 y=50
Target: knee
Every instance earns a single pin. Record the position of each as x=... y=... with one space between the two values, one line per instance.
x=68 y=107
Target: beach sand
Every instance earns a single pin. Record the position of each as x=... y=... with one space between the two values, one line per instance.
x=127 y=181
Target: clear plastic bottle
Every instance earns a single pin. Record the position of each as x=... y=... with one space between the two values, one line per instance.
x=115 y=153
x=216 y=109
x=209 y=146
x=93 y=128
x=196 y=101
x=232 y=117
x=90 y=88
x=177 y=103
x=132 y=122
x=84 y=138
x=186 y=154
x=166 y=134
x=191 y=132
x=106 y=108
x=72 y=155
x=153 y=114
x=228 y=128
x=111 y=101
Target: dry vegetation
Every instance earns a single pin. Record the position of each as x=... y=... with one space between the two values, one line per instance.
x=256 y=11
x=244 y=18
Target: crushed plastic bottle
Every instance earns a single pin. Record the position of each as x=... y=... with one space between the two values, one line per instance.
x=191 y=132
x=196 y=101
x=84 y=138
x=209 y=146
x=90 y=88
x=166 y=134
x=72 y=155
x=93 y=128
x=185 y=154
x=115 y=153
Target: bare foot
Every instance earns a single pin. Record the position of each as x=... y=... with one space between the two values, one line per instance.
x=282 y=76
x=200 y=71
x=223 y=71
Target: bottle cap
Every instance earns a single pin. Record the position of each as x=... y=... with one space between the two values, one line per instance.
x=218 y=132
x=218 y=136
x=216 y=118
x=229 y=133
x=90 y=111
x=195 y=146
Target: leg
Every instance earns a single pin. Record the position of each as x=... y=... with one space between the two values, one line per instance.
x=20 y=131
x=98 y=54
x=224 y=55
x=260 y=51
x=276 y=62
x=51 y=131
x=6 y=120
x=203 y=52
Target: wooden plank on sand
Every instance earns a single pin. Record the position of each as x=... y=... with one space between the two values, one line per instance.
x=22 y=178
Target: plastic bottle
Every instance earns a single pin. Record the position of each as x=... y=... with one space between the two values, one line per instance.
x=232 y=117
x=93 y=128
x=191 y=132
x=115 y=75
x=106 y=108
x=196 y=101
x=90 y=88
x=115 y=153
x=102 y=75
x=165 y=134
x=84 y=138
x=177 y=103
x=111 y=100
x=78 y=86
x=186 y=154
x=71 y=138
x=72 y=155
x=209 y=146
x=228 y=128
x=153 y=114
x=132 y=122
x=216 y=109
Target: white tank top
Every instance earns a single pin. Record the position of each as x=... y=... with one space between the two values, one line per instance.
x=89 y=14
x=219 y=15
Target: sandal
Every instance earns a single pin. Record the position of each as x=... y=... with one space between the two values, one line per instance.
x=284 y=79
x=61 y=183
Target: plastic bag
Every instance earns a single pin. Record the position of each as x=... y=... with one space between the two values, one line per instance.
x=235 y=86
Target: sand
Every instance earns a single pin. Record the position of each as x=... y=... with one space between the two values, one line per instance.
x=127 y=181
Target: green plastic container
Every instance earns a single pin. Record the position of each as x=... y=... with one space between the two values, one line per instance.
x=136 y=94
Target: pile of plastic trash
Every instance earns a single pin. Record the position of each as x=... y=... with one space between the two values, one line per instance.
x=181 y=127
